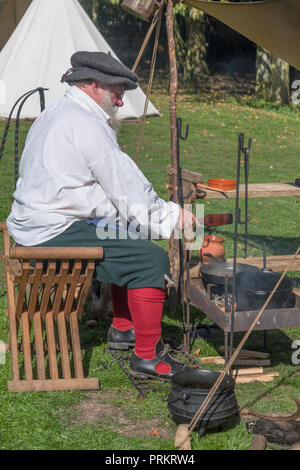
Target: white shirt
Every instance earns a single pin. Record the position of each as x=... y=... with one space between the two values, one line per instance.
x=72 y=169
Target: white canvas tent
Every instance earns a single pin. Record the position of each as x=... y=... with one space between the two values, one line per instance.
x=39 y=50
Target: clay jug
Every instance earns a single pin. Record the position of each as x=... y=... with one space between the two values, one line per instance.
x=213 y=245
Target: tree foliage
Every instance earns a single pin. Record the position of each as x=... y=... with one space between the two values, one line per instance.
x=123 y=31
x=193 y=31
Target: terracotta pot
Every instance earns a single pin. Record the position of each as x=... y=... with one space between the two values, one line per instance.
x=213 y=245
x=224 y=184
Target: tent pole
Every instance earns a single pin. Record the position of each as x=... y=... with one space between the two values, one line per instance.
x=174 y=247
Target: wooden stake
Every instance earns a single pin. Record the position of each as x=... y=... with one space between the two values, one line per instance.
x=174 y=249
x=259 y=442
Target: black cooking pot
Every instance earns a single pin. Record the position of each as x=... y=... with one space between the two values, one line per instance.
x=253 y=289
x=214 y=273
x=189 y=389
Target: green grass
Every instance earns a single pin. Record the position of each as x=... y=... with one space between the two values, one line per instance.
x=57 y=420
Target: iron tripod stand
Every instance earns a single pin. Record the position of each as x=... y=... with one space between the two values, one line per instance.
x=185 y=308
x=238 y=221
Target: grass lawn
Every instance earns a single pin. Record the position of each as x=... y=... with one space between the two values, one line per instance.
x=114 y=418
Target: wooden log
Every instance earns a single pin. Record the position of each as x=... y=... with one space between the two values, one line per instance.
x=249 y=354
x=287 y=432
x=52 y=385
x=259 y=442
x=249 y=370
x=265 y=377
x=295 y=446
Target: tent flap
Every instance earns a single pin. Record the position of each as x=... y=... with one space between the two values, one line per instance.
x=272 y=24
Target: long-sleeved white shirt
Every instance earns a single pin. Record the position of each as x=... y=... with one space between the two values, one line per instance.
x=72 y=169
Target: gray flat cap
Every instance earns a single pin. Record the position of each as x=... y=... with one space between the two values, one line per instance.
x=102 y=67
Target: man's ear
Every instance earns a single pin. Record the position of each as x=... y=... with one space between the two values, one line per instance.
x=97 y=87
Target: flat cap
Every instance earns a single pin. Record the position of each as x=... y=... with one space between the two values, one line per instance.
x=102 y=67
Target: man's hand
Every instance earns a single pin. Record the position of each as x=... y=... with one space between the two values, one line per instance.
x=187 y=219
x=186 y=222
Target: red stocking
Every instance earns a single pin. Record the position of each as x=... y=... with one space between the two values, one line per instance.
x=146 y=307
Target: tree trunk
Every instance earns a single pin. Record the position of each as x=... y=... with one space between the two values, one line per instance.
x=263 y=87
x=280 y=81
x=195 y=67
x=272 y=77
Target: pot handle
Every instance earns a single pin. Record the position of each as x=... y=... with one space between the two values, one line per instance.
x=185 y=397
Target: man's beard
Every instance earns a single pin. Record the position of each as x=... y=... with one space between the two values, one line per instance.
x=112 y=111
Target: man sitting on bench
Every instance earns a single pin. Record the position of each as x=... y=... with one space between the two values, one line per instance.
x=77 y=188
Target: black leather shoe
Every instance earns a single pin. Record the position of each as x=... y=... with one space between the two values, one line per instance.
x=118 y=339
x=145 y=368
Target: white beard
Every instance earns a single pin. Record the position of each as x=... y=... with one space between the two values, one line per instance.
x=114 y=121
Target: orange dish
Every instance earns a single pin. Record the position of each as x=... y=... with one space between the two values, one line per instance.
x=224 y=184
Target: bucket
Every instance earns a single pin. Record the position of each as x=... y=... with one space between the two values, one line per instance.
x=143 y=9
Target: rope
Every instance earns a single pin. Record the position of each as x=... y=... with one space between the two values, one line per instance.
x=148 y=35
x=24 y=98
x=41 y=91
x=153 y=62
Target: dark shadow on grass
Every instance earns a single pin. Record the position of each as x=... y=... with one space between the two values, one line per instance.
x=90 y=338
x=280 y=382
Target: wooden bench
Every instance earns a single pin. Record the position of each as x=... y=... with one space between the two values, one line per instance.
x=45 y=300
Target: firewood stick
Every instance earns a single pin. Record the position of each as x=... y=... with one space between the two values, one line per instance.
x=295 y=446
x=213 y=360
x=266 y=377
x=248 y=371
x=249 y=354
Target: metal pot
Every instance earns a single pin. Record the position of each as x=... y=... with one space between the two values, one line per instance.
x=214 y=273
x=189 y=389
x=253 y=289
